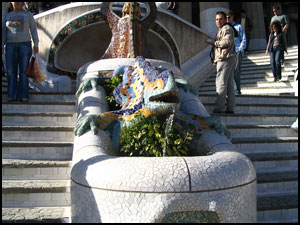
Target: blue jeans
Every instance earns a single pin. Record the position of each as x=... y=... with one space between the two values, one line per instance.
x=275 y=59
x=17 y=58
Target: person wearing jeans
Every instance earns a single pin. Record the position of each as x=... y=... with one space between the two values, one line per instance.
x=17 y=58
x=17 y=30
x=276 y=48
x=240 y=45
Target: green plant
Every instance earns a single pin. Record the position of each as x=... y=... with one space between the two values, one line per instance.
x=146 y=137
x=109 y=86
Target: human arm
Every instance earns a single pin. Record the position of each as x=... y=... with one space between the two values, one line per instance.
x=242 y=36
x=268 y=45
x=226 y=39
x=34 y=33
x=286 y=21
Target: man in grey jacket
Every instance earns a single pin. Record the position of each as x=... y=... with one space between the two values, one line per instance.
x=225 y=59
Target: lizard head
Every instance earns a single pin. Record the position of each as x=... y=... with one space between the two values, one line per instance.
x=144 y=87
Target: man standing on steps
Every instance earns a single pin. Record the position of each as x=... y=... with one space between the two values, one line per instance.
x=225 y=60
x=240 y=45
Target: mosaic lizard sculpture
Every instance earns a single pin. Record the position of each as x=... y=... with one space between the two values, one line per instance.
x=148 y=91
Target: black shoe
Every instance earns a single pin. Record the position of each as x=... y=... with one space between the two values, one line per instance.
x=229 y=112
x=217 y=111
x=275 y=79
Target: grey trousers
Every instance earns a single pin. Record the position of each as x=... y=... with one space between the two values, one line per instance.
x=225 y=85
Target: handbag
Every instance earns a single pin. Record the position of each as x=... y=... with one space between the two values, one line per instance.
x=30 y=68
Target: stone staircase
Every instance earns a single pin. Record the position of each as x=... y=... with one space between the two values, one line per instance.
x=37 y=144
x=261 y=130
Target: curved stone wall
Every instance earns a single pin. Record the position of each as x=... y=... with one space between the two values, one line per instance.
x=107 y=188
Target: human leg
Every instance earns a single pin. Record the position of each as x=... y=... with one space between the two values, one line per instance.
x=225 y=69
x=230 y=84
x=273 y=66
x=278 y=57
x=220 y=86
x=24 y=54
x=237 y=73
x=12 y=70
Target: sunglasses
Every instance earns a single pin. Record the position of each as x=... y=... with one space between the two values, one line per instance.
x=228 y=17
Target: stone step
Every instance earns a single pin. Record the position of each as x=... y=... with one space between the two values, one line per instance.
x=262 y=130
x=282 y=100
x=38 y=133
x=270 y=181
x=47 y=96
x=259 y=108
x=253 y=144
x=35 y=169
x=259 y=77
x=53 y=152
x=256 y=53
x=277 y=202
x=272 y=156
x=277 y=208
x=268 y=90
x=271 y=118
x=289 y=65
x=35 y=193
x=251 y=84
x=36 y=214
x=13 y=107
x=262 y=59
x=38 y=118
x=33 y=150
x=260 y=90
x=260 y=55
x=267 y=68
x=281 y=160
x=278 y=176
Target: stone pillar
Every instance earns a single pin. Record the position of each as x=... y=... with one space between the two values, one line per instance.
x=208 y=15
x=258 y=35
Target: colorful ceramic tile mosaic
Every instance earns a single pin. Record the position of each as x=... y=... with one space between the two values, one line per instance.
x=141 y=89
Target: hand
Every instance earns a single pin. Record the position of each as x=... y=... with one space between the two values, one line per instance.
x=286 y=52
x=36 y=50
x=267 y=52
x=212 y=43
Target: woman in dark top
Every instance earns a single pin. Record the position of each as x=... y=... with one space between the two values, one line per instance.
x=276 y=48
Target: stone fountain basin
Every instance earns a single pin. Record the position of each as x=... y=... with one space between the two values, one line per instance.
x=107 y=188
